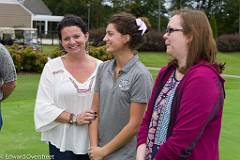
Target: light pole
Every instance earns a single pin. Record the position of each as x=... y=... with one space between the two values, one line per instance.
x=89 y=13
x=239 y=17
x=159 y=15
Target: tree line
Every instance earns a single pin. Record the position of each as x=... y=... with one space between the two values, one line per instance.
x=224 y=15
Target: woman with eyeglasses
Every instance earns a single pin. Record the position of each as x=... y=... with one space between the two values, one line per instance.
x=64 y=98
x=183 y=118
x=122 y=90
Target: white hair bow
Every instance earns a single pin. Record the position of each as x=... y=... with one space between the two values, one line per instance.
x=141 y=25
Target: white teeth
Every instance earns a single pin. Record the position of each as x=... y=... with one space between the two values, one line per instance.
x=73 y=47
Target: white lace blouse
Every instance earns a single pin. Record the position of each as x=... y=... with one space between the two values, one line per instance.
x=59 y=91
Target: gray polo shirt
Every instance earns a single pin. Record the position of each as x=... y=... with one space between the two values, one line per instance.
x=7 y=72
x=134 y=84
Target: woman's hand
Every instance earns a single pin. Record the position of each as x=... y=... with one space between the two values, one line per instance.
x=85 y=117
x=96 y=153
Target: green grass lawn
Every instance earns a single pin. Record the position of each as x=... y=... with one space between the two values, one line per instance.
x=19 y=137
x=230 y=137
x=156 y=59
x=48 y=49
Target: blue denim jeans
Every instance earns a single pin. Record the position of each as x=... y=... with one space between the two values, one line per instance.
x=67 y=155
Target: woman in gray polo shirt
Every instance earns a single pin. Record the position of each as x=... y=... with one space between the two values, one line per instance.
x=122 y=89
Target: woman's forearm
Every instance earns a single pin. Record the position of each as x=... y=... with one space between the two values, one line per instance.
x=64 y=117
x=93 y=132
x=7 y=89
x=93 y=126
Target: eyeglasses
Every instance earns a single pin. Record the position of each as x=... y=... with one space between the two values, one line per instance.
x=170 y=30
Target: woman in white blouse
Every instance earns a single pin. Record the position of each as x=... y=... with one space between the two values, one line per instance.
x=62 y=111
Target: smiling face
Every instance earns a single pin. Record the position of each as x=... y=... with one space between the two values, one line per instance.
x=73 y=39
x=175 y=39
x=115 y=41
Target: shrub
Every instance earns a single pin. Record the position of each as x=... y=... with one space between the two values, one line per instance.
x=154 y=42
x=15 y=52
x=97 y=52
x=27 y=59
x=56 y=52
x=100 y=53
x=228 y=43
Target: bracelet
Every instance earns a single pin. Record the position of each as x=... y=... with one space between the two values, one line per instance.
x=72 y=119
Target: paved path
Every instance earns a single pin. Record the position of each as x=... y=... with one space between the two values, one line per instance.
x=225 y=75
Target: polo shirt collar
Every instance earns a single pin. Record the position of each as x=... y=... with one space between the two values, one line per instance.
x=126 y=67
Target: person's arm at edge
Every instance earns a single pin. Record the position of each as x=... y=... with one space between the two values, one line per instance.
x=8 y=73
x=7 y=89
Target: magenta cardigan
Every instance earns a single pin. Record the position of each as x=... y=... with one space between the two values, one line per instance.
x=195 y=121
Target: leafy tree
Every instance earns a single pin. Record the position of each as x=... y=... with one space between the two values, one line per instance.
x=51 y=5
x=81 y=8
x=225 y=12
x=143 y=8
x=228 y=17
x=213 y=24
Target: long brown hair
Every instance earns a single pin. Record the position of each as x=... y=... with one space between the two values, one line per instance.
x=202 y=47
